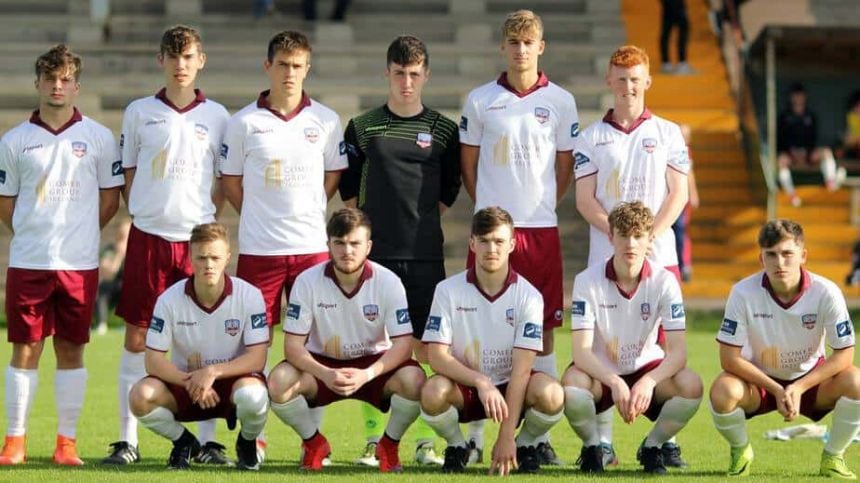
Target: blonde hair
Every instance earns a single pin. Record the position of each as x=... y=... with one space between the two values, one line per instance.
x=209 y=232
x=520 y=23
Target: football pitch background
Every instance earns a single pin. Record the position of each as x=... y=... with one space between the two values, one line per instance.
x=703 y=448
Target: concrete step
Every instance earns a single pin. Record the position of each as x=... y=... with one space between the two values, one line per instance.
x=41 y=7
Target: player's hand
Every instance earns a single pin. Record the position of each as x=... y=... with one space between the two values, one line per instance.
x=621 y=398
x=350 y=380
x=504 y=456
x=209 y=399
x=641 y=394
x=197 y=382
x=493 y=401
x=791 y=400
x=779 y=397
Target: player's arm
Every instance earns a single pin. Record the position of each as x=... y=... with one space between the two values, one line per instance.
x=838 y=361
x=218 y=196
x=582 y=342
x=233 y=191
x=128 y=175
x=588 y=205
x=675 y=360
x=505 y=449
x=7 y=209
x=157 y=364
x=108 y=204
x=442 y=362
x=693 y=188
x=200 y=381
x=330 y=182
x=563 y=173
x=469 y=167
x=733 y=362
x=350 y=180
x=673 y=205
x=450 y=177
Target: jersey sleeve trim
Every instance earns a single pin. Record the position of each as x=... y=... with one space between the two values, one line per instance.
x=585 y=175
x=295 y=333
x=156 y=350
x=257 y=343
x=678 y=170
x=727 y=343
x=470 y=145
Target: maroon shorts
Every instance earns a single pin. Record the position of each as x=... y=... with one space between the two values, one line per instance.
x=152 y=264
x=372 y=393
x=807 y=401
x=275 y=275
x=606 y=401
x=42 y=303
x=225 y=409
x=537 y=257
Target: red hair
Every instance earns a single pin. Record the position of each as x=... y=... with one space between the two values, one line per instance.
x=627 y=56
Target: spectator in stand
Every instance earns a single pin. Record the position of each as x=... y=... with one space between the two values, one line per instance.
x=674 y=15
x=851 y=144
x=683 y=244
x=309 y=9
x=111 y=262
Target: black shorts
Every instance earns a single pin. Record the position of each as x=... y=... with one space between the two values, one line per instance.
x=419 y=278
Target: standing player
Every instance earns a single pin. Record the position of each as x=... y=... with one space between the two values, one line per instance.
x=517 y=136
x=772 y=352
x=214 y=327
x=631 y=155
x=341 y=319
x=618 y=308
x=404 y=172
x=484 y=329
x=60 y=178
x=169 y=145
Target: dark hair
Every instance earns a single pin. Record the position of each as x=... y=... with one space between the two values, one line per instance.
x=209 y=232
x=489 y=218
x=406 y=50
x=345 y=220
x=288 y=41
x=60 y=57
x=775 y=231
x=177 y=38
x=797 y=87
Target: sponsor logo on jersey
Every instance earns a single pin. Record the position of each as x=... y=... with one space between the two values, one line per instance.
x=577 y=308
x=843 y=329
x=403 y=316
x=580 y=160
x=604 y=143
x=116 y=168
x=645 y=310
x=293 y=311
x=424 y=140
x=497 y=107
x=574 y=130
x=224 y=150
x=342 y=148
x=729 y=327
x=541 y=114
x=2 y=176
x=649 y=145
x=79 y=149
x=157 y=325
x=231 y=327
x=30 y=148
x=325 y=306
x=312 y=135
x=434 y=323
x=371 y=312
x=201 y=131
x=258 y=321
x=762 y=315
x=509 y=317
x=677 y=311
x=464 y=123
x=186 y=323
x=466 y=309
x=808 y=321
x=258 y=130
x=532 y=331
x=154 y=122
x=558 y=314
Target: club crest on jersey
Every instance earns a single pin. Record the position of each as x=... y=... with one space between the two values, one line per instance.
x=808 y=321
x=541 y=114
x=371 y=311
x=312 y=135
x=434 y=323
x=645 y=311
x=424 y=140
x=201 y=131
x=649 y=145
x=79 y=148
x=403 y=316
x=509 y=316
x=843 y=328
x=231 y=327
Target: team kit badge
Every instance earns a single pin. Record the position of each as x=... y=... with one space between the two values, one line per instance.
x=79 y=149
x=424 y=140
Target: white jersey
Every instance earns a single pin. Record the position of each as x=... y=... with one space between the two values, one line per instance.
x=56 y=177
x=482 y=331
x=174 y=152
x=282 y=161
x=625 y=325
x=785 y=340
x=631 y=165
x=197 y=337
x=519 y=135
x=343 y=325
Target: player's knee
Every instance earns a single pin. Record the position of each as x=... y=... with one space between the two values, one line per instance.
x=576 y=401
x=689 y=384
x=251 y=399
x=282 y=382
x=848 y=382
x=434 y=394
x=548 y=396
x=726 y=393
x=70 y=355
x=142 y=397
x=575 y=378
x=410 y=380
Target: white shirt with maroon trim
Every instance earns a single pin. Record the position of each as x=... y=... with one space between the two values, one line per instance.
x=344 y=325
x=481 y=330
x=631 y=164
x=283 y=161
x=519 y=135
x=625 y=325
x=174 y=152
x=56 y=177
x=197 y=337
x=785 y=340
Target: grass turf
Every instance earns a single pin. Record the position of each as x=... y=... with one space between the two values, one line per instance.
x=703 y=448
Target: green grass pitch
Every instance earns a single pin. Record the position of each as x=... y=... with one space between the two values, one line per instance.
x=703 y=448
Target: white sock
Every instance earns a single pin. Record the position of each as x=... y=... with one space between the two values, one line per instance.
x=162 y=422
x=535 y=426
x=785 y=181
x=828 y=169
x=206 y=431
x=844 y=425
x=403 y=413
x=131 y=370
x=447 y=425
x=317 y=416
x=476 y=432
x=547 y=365
x=69 y=388
x=581 y=414
x=21 y=387
x=733 y=426
x=252 y=407
x=674 y=415
x=296 y=414
x=605 y=421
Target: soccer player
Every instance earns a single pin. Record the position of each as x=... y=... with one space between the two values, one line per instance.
x=617 y=309
x=169 y=144
x=347 y=336
x=214 y=327
x=60 y=179
x=517 y=136
x=631 y=155
x=772 y=352
x=404 y=172
x=484 y=329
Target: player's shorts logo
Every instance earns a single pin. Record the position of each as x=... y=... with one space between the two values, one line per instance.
x=312 y=135
x=231 y=327
x=403 y=316
x=79 y=149
x=677 y=311
x=532 y=331
x=843 y=328
x=201 y=131
x=808 y=321
x=577 y=308
x=729 y=327
x=557 y=315
x=156 y=325
x=434 y=323
x=645 y=311
x=649 y=145
x=371 y=311
x=424 y=140
x=541 y=114
x=509 y=317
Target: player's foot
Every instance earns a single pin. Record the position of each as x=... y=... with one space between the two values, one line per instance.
x=387 y=452
x=368 y=457
x=742 y=459
x=547 y=455
x=590 y=459
x=609 y=456
x=314 y=451
x=456 y=458
x=184 y=448
x=213 y=453
x=672 y=455
x=14 y=448
x=121 y=453
x=528 y=459
x=261 y=449
x=246 y=454
x=651 y=458
x=476 y=453
x=834 y=466
x=66 y=452
x=425 y=454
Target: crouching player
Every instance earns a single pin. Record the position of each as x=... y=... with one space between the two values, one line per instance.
x=484 y=330
x=617 y=309
x=342 y=317
x=215 y=328
x=772 y=352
